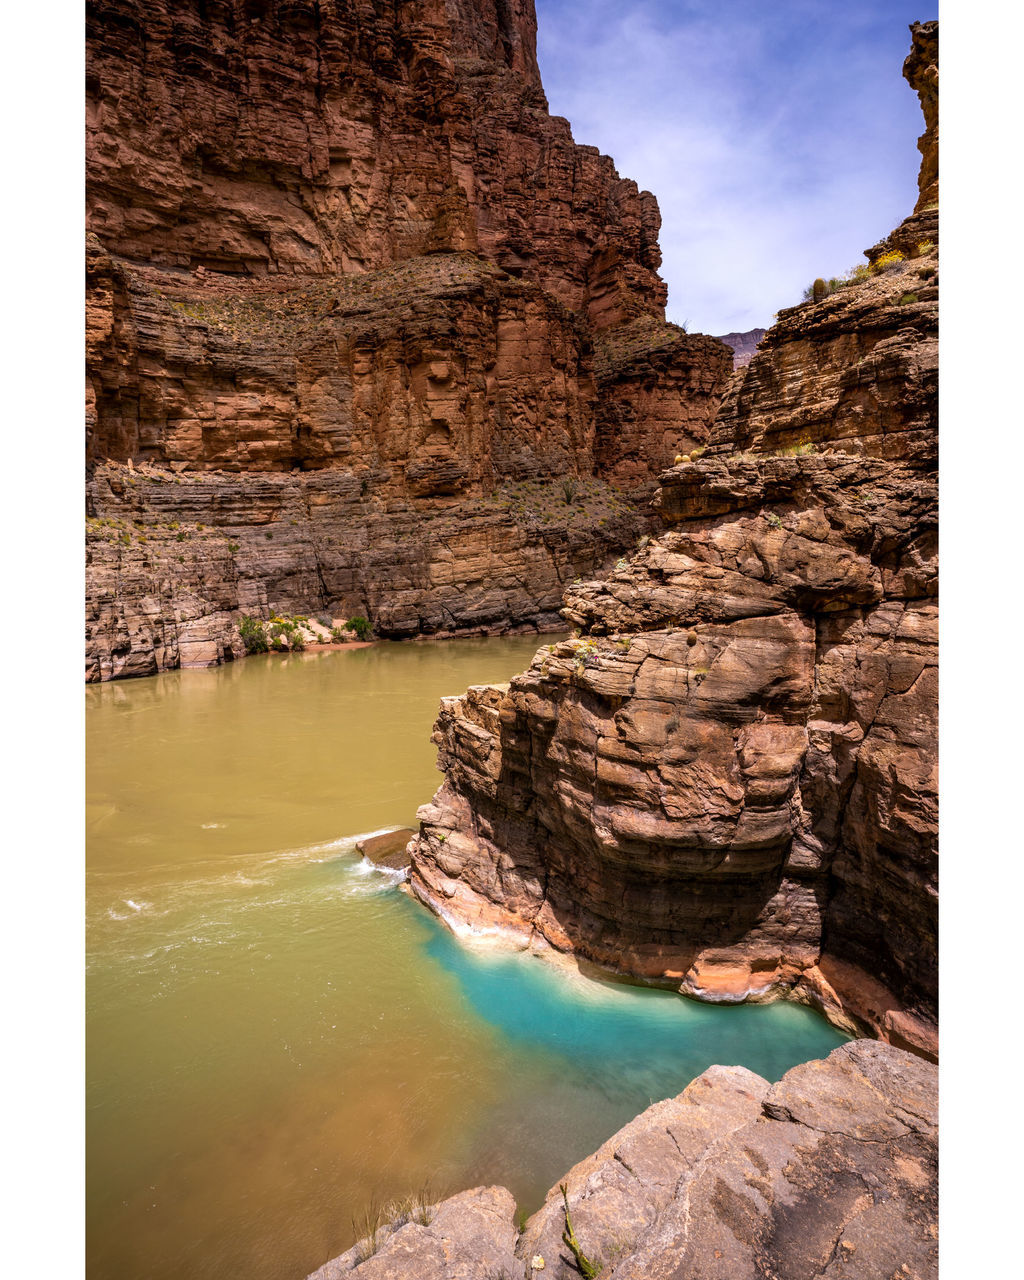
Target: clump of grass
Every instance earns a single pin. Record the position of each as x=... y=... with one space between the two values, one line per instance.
x=774 y=521
x=382 y=1219
x=372 y=1230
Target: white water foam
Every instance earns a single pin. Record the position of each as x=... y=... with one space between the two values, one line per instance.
x=342 y=844
x=134 y=909
x=362 y=878
x=376 y=879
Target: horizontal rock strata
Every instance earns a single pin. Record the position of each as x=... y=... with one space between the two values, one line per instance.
x=742 y=345
x=351 y=241
x=856 y=373
x=308 y=138
x=726 y=780
x=659 y=389
x=731 y=773
x=173 y=559
x=830 y=1173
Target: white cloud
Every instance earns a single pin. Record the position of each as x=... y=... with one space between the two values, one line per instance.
x=779 y=140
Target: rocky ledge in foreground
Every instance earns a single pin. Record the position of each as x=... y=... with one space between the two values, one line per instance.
x=830 y=1173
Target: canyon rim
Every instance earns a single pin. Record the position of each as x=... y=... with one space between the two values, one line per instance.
x=369 y=335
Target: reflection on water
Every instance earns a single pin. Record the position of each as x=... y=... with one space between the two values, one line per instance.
x=276 y=1034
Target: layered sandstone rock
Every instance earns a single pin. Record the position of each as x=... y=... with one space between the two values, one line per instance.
x=659 y=389
x=729 y=783
x=831 y=1173
x=172 y=559
x=340 y=240
x=286 y=136
x=856 y=373
x=743 y=345
x=727 y=780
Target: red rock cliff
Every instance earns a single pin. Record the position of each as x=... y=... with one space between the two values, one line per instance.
x=304 y=138
x=726 y=780
x=348 y=239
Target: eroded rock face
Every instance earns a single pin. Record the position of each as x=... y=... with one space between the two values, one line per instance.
x=921 y=71
x=857 y=372
x=350 y=240
x=308 y=138
x=659 y=389
x=831 y=1172
x=743 y=345
x=172 y=559
x=727 y=780
x=732 y=770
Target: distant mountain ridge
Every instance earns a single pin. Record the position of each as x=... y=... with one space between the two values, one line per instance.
x=743 y=345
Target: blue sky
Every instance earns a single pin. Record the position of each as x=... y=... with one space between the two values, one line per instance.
x=779 y=137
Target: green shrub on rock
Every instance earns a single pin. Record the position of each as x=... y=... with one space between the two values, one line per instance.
x=363 y=627
x=254 y=634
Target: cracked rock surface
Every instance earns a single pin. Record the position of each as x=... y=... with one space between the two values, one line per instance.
x=829 y=1173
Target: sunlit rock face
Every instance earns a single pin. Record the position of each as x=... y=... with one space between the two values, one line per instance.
x=727 y=779
x=350 y=240
x=831 y=1171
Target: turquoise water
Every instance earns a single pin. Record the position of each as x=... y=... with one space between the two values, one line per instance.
x=277 y=1035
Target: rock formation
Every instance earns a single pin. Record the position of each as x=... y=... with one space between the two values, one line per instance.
x=829 y=1173
x=743 y=345
x=921 y=70
x=726 y=781
x=346 y=279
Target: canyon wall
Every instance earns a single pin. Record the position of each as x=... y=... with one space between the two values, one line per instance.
x=345 y=244
x=726 y=780
x=742 y=345
x=832 y=1172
